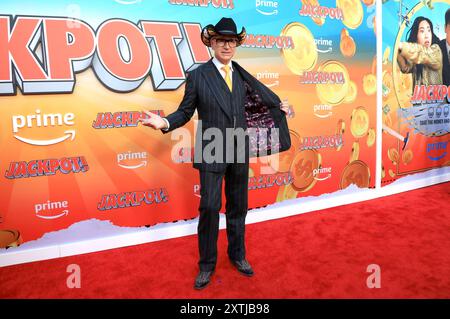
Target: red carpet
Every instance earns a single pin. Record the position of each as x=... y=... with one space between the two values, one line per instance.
x=322 y=254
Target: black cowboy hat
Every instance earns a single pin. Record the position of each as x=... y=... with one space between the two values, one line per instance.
x=225 y=26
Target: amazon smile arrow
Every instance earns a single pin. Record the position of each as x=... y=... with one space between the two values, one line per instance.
x=69 y=133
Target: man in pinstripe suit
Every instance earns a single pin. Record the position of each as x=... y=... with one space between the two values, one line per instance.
x=445 y=49
x=228 y=99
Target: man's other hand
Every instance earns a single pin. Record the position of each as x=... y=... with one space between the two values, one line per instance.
x=154 y=121
x=284 y=106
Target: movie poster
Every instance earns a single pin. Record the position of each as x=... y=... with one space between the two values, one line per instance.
x=416 y=87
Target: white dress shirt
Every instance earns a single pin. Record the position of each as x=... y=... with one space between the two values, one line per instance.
x=219 y=65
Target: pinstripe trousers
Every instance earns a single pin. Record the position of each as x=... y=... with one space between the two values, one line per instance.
x=236 y=195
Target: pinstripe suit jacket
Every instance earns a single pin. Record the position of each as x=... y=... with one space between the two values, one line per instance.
x=207 y=92
x=445 y=63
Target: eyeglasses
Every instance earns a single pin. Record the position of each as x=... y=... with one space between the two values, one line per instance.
x=231 y=42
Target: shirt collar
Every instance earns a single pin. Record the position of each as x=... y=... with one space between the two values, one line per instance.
x=219 y=64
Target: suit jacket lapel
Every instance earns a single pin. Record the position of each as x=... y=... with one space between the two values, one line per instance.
x=445 y=62
x=218 y=88
x=238 y=87
x=269 y=98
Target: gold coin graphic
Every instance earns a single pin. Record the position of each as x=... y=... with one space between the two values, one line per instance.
x=374 y=20
x=370 y=84
x=393 y=155
x=333 y=93
x=359 y=122
x=356 y=172
x=391 y=173
x=352 y=11
x=303 y=56
x=371 y=135
x=352 y=93
x=281 y=162
x=374 y=65
x=348 y=46
x=388 y=84
x=340 y=130
x=303 y=165
x=354 y=155
x=407 y=157
x=344 y=33
x=286 y=192
x=386 y=54
x=368 y=2
x=10 y=238
x=406 y=82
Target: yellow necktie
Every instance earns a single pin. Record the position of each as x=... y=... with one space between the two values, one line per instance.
x=226 y=68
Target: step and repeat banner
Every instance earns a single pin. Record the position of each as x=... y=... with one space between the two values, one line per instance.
x=75 y=77
x=416 y=87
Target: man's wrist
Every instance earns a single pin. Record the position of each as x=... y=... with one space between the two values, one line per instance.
x=167 y=124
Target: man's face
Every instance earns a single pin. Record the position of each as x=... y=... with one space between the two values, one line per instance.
x=224 y=47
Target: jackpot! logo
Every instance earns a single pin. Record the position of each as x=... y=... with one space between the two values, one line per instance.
x=43 y=120
x=314 y=77
x=430 y=94
x=321 y=12
x=267 y=8
x=267 y=181
x=42 y=54
x=226 y=4
x=133 y=199
x=268 y=42
x=126 y=2
x=318 y=142
x=47 y=167
x=121 y=119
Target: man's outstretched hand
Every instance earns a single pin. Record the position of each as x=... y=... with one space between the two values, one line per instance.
x=154 y=121
x=284 y=106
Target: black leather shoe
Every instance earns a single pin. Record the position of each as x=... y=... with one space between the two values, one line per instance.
x=203 y=279
x=243 y=267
